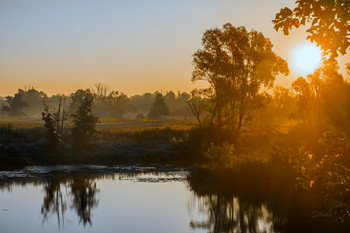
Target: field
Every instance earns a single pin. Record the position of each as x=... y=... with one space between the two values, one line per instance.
x=23 y=143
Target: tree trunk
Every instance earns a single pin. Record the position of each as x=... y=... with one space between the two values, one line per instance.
x=240 y=121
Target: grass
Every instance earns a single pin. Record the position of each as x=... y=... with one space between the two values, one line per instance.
x=22 y=142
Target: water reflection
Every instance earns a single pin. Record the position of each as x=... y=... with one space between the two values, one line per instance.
x=53 y=201
x=230 y=214
x=83 y=193
x=78 y=190
x=78 y=193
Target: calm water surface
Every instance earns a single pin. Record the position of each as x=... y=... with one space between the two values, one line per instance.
x=119 y=199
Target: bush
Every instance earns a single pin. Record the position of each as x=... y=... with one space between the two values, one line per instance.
x=220 y=156
x=84 y=124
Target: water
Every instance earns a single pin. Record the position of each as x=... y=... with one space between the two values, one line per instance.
x=121 y=199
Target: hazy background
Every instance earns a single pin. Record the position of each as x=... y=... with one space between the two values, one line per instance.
x=135 y=46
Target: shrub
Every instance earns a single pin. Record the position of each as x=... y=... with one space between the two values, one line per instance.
x=219 y=156
x=84 y=124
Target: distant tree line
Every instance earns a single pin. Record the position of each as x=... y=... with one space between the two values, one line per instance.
x=106 y=103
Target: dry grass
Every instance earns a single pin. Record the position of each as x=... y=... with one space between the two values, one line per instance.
x=112 y=124
x=19 y=124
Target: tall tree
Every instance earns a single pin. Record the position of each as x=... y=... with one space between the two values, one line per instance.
x=54 y=123
x=84 y=123
x=77 y=98
x=159 y=108
x=236 y=63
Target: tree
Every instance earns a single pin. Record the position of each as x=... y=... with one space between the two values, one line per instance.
x=118 y=104
x=281 y=97
x=24 y=103
x=196 y=102
x=84 y=122
x=304 y=97
x=330 y=23
x=159 y=108
x=51 y=125
x=110 y=104
x=35 y=101
x=54 y=122
x=236 y=63
x=77 y=98
x=329 y=174
x=14 y=105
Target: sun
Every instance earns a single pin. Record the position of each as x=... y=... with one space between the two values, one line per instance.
x=306 y=58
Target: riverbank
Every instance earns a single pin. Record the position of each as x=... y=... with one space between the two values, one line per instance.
x=163 y=144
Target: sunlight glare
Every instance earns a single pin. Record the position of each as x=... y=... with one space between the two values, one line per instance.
x=306 y=58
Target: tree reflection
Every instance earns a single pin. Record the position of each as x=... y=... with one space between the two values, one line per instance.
x=83 y=193
x=53 y=201
x=80 y=196
x=229 y=214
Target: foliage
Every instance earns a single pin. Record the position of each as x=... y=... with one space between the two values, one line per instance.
x=54 y=123
x=14 y=105
x=77 y=98
x=25 y=103
x=305 y=99
x=329 y=20
x=107 y=103
x=220 y=156
x=197 y=102
x=159 y=108
x=319 y=96
x=84 y=122
x=327 y=174
x=236 y=63
x=35 y=100
x=53 y=135
x=282 y=97
x=110 y=104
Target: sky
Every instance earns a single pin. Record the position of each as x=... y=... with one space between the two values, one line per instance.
x=134 y=46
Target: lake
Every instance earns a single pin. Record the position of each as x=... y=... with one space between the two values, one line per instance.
x=121 y=199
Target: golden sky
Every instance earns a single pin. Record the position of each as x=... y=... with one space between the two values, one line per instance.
x=134 y=46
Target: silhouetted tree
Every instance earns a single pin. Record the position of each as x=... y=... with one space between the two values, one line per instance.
x=54 y=123
x=236 y=63
x=84 y=122
x=35 y=100
x=110 y=104
x=14 y=105
x=159 y=108
x=197 y=101
x=77 y=98
x=53 y=136
x=329 y=20
x=118 y=104
x=142 y=103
